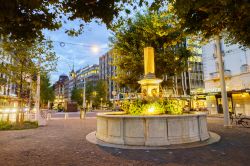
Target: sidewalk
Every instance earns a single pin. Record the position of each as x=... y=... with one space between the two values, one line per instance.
x=222 y=116
x=62 y=142
x=215 y=115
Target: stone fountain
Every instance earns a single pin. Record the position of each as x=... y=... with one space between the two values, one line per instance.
x=118 y=128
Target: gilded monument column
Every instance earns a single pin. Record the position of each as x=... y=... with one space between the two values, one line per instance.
x=149 y=64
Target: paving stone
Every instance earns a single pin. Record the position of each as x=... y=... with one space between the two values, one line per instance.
x=63 y=142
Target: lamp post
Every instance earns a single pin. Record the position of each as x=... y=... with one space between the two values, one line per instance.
x=94 y=95
x=114 y=94
x=84 y=93
x=189 y=80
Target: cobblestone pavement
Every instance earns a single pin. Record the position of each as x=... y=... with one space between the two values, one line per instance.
x=63 y=142
x=61 y=115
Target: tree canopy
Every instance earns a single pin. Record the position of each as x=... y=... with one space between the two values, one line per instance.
x=151 y=29
x=25 y=19
x=25 y=61
x=213 y=17
x=94 y=92
x=76 y=95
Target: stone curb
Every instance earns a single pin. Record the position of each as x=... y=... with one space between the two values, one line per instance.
x=91 y=137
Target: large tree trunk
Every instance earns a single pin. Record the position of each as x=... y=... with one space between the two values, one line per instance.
x=183 y=80
x=19 y=91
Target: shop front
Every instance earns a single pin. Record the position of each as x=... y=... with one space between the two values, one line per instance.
x=238 y=102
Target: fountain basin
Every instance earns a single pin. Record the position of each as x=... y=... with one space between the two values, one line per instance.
x=155 y=130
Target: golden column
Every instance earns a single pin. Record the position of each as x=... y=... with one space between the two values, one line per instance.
x=149 y=84
x=149 y=63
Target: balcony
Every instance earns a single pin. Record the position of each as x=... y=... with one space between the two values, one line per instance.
x=216 y=75
x=245 y=68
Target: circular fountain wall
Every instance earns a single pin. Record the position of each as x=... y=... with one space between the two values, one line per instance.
x=156 y=130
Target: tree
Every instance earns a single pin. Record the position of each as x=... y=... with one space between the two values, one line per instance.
x=76 y=95
x=151 y=29
x=26 y=61
x=26 y=19
x=47 y=93
x=102 y=91
x=94 y=92
x=214 y=17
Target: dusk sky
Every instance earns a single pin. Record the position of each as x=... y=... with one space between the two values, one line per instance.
x=94 y=35
x=79 y=53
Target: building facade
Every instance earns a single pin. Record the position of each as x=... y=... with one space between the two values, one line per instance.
x=59 y=88
x=107 y=71
x=237 y=76
x=88 y=73
x=8 y=90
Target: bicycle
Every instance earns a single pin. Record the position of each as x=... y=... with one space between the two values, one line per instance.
x=239 y=120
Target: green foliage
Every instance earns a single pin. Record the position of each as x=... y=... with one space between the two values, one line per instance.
x=173 y=106
x=47 y=92
x=94 y=92
x=135 y=108
x=26 y=19
x=156 y=108
x=214 y=17
x=142 y=107
x=27 y=60
x=125 y=105
x=4 y=125
x=158 y=30
x=76 y=95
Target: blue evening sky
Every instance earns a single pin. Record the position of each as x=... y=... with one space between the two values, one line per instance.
x=80 y=52
x=81 y=56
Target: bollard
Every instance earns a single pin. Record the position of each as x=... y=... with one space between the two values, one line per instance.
x=81 y=114
x=48 y=116
x=66 y=115
x=84 y=114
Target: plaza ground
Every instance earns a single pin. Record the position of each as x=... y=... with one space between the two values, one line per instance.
x=63 y=142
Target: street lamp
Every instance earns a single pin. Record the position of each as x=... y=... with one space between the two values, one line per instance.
x=95 y=49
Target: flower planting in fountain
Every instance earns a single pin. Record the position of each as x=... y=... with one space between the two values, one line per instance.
x=156 y=107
